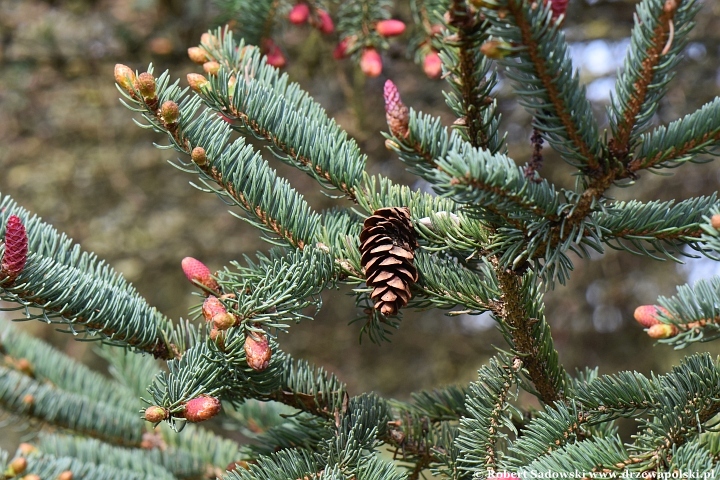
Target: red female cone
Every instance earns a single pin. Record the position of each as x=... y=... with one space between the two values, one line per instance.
x=396 y=113
x=371 y=62
x=201 y=408
x=197 y=272
x=16 y=248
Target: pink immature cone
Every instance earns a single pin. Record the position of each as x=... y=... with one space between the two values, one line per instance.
x=299 y=13
x=340 y=51
x=257 y=351
x=396 y=113
x=16 y=248
x=432 y=65
x=390 y=28
x=371 y=62
x=558 y=7
x=647 y=315
x=197 y=272
x=273 y=53
x=201 y=408
x=326 y=25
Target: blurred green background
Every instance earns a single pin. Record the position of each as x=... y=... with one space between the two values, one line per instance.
x=70 y=152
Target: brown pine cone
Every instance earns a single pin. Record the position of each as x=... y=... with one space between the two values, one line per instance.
x=387 y=244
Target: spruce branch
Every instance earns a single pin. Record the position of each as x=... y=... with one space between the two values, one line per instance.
x=688 y=400
x=681 y=141
x=358 y=22
x=605 y=456
x=523 y=323
x=28 y=397
x=658 y=38
x=446 y=283
x=234 y=171
x=258 y=18
x=72 y=287
x=621 y=394
x=484 y=430
x=664 y=226
x=165 y=465
x=50 y=466
x=45 y=364
x=266 y=105
x=693 y=312
x=468 y=72
x=546 y=82
x=278 y=288
x=550 y=430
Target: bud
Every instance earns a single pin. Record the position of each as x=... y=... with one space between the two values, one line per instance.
x=198 y=156
x=223 y=321
x=326 y=25
x=66 y=475
x=371 y=62
x=341 y=49
x=218 y=336
x=273 y=54
x=432 y=65
x=214 y=311
x=396 y=113
x=495 y=49
x=23 y=365
x=646 y=315
x=299 y=13
x=211 y=68
x=197 y=55
x=391 y=144
x=558 y=7
x=390 y=28
x=715 y=222
x=211 y=307
x=662 y=330
x=32 y=476
x=16 y=248
x=152 y=440
x=169 y=112
x=201 y=408
x=197 y=82
x=257 y=351
x=239 y=463
x=155 y=414
x=124 y=77
x=145 y=84
x=27 y=448
x=16 y=467
x=197 y=272
x=209 y=39
x=28 y=399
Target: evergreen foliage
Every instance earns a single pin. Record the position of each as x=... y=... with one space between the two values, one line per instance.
x=494 y=237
